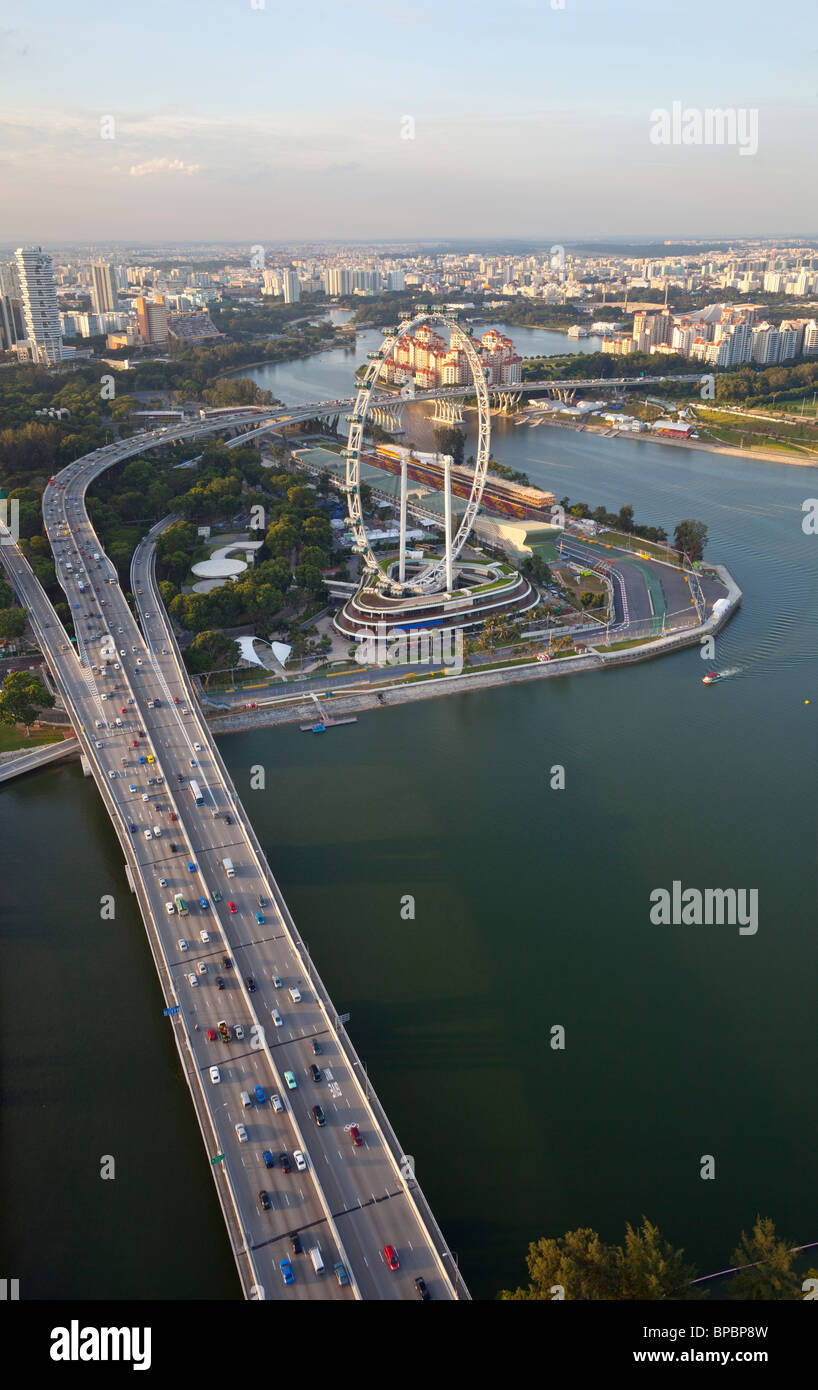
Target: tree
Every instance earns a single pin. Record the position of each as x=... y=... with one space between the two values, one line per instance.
x=646 y=1267
x=12 y=622
x=691 y=536
x=653 y=1269
x=773 y=1276
x=577 y=1263
x=211 y=651
x=22 y=695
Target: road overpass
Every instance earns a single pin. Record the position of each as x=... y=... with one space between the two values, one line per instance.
x=140 y=727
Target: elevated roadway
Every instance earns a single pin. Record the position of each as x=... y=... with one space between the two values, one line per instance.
x=136 y=716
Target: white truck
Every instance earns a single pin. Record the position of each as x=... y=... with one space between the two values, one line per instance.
x=228 y=868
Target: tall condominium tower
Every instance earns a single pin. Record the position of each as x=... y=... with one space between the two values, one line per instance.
x=41 y=316
x=103 y=281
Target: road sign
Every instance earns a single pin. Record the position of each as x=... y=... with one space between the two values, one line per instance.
x=174 y=1009
x=217 y=1159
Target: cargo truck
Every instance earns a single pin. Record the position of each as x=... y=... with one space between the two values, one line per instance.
x=228 y=868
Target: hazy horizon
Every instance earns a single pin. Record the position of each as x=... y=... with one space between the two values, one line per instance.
x=235 y=123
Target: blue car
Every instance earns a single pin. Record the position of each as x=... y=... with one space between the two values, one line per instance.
x=258 y=1092
x=286 y=1271
x=340 y=1274
x=191 y=868
x=203 y=903
x=133 y=828
x=259 y=919
x=131 y=787
x=142 y=758
x=269 y=1161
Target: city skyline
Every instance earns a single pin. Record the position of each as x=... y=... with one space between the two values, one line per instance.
x=452 y=129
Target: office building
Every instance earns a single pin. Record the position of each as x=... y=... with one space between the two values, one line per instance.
x=103 y=289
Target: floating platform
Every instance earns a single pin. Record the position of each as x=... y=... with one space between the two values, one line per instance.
x=327 y=724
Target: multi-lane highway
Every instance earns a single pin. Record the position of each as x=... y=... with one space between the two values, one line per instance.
x=284 y=1099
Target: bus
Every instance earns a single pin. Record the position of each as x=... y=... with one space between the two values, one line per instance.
x=180 y=905
x=195 y=792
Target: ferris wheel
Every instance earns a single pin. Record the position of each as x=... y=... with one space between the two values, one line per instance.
x=433 y=576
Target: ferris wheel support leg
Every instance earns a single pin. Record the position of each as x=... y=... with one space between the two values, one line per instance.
x=447 y=502
x=404 y=474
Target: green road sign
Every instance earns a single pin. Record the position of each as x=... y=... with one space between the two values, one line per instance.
x=217 y=1159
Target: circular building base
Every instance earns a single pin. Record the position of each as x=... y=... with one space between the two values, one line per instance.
x=496 y=591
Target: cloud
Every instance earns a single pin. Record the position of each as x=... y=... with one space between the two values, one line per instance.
x=163 y=166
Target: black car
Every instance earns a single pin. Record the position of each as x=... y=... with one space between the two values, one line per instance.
x=264 y=1200
x=262 y=902
x=133 y=828
x=219 y=982
x=318 y=1115
x=316 y=1047
x=229 y=820
x=295 y=1243
x=421 y=1290
x=284 y=1160
x=251 y=984
x=173 y=847
x=227 y=963
x=180 y=776
x=315 y=1072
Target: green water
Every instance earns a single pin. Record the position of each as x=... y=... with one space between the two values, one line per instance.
x=531 y=910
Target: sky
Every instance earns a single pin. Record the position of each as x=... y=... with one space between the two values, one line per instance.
x=257 y=120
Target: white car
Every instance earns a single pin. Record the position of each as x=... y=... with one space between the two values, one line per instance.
x=295 y=994
x=275 y=1101
x=215 y=1075
x=300 y=1161
x=139 y=661
x=202 y=967
x=157 y=832
x=148 y=834
x=182 y=944
x=198 y=747
x=239 y=1031
x=122 y=651
x=242 y=1134
x=170 y=908
x=163 y=883
x=98 y=744
x=194 y=979
x=204 y=936
x=144 y=796
x=277 y=1019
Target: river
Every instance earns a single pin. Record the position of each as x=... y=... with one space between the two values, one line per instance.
x=531 y=910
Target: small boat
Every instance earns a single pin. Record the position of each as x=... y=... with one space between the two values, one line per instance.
x=711 y=677
x=319 y=728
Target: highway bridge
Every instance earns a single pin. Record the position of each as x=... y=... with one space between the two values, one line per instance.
x=263 y=419
x=285 y=1106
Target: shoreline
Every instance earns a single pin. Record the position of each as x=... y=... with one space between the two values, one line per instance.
x=762 y=455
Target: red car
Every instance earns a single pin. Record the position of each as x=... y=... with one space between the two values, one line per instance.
x=123 y=709
x=134 y=743
x=171 y=815
x=211 y=1035
x=390 y=1254
x=355 y=1136
x=176 y=699
x=232 y=907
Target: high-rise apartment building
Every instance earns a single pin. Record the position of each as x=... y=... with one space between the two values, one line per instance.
x=103 y=288
x=152 y=317
x=290 y=287
x=38 y=295
x=338 y=280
